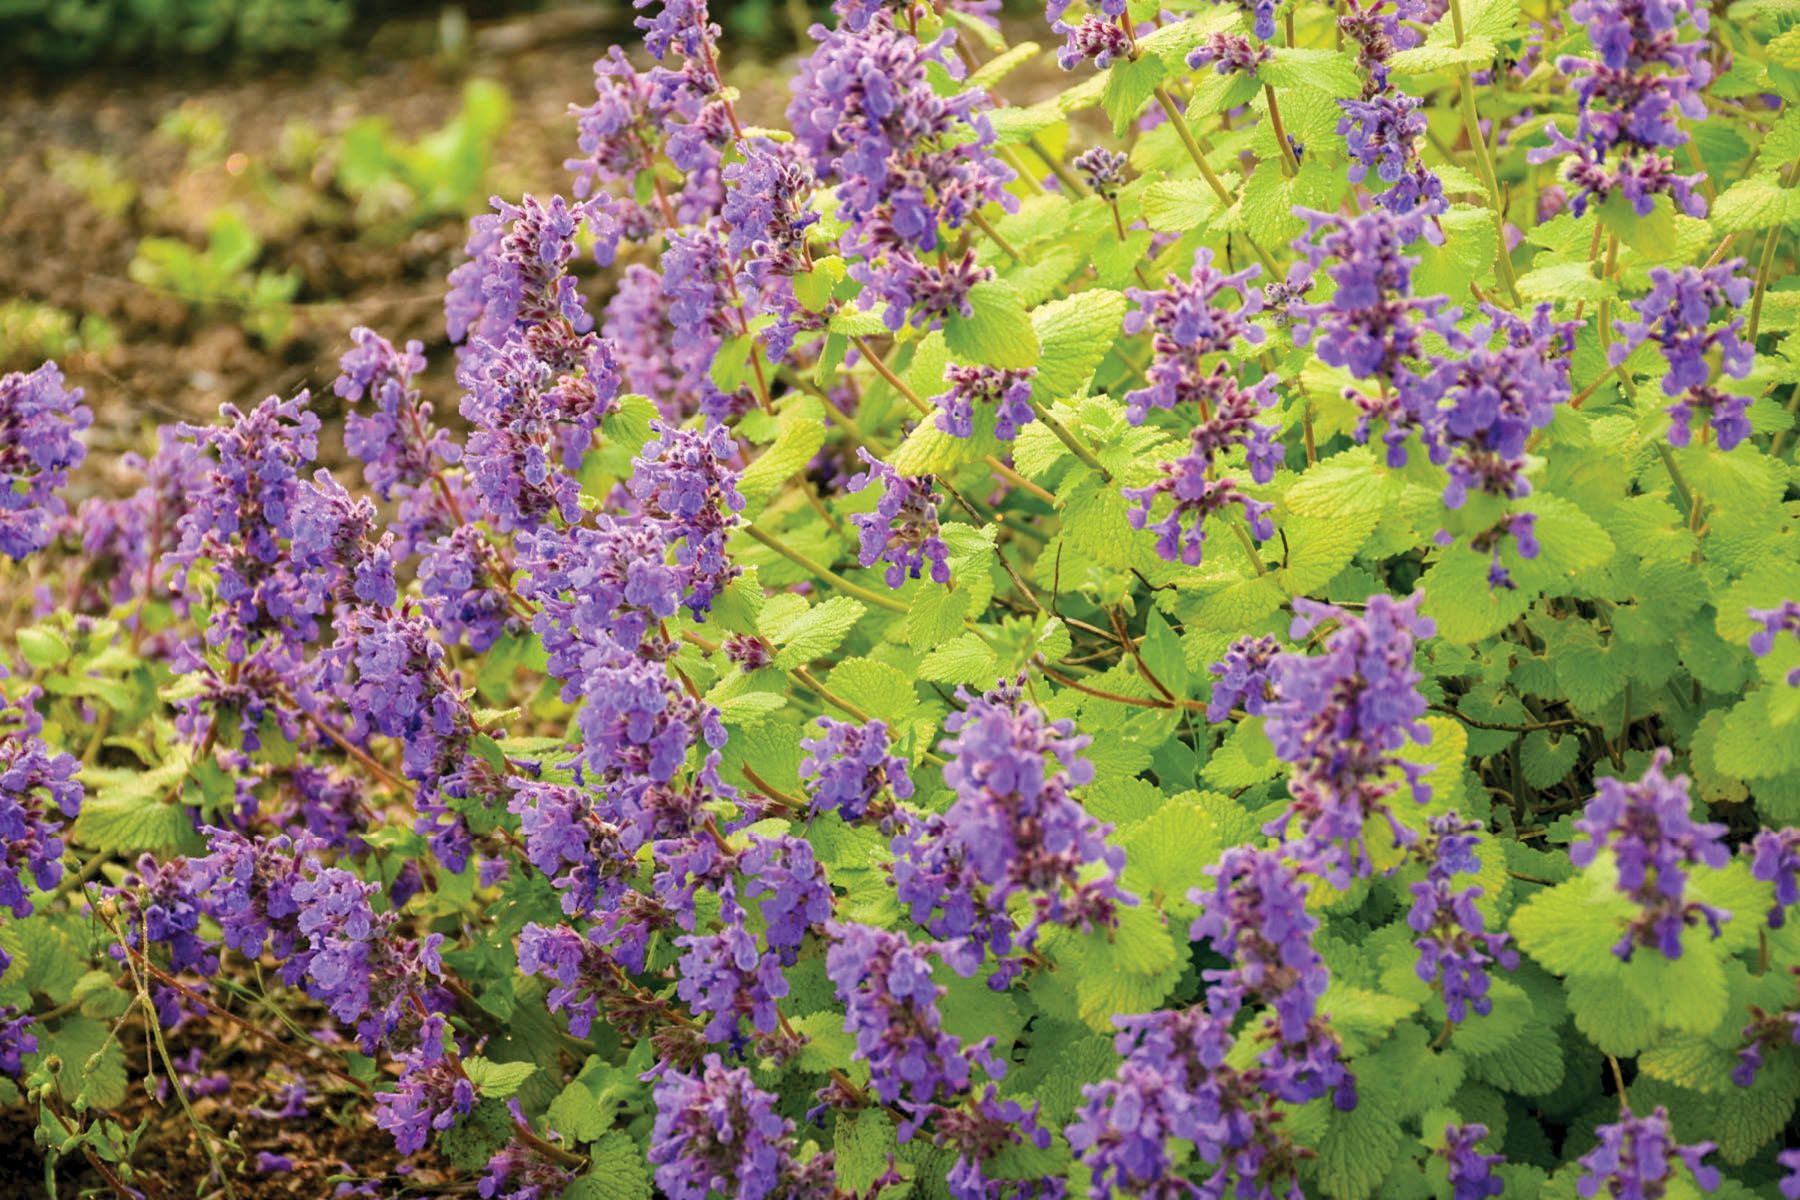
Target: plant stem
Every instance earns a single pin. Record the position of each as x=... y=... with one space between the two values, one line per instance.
x=1484 y=164
x=1186 y=135
x=900 y=385
x=1076 y=447
x=986 y=226
x=1766 y=263
x=1289 y=163
x=823 y=572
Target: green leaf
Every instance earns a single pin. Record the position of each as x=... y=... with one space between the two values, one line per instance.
x=1179 y=205
x=1075 y=334
x=800 y=433
x=1167 y=853
x=1474 y=53
x=1129 y=85
x=999 y=333
x=137 y=814
x=495 y=1080
x=1572 y=281
x=1759 y=202
x=1330 y=71
x=811 y=634
x=1466 y=254
x=1343 y=485
x=864 y=1142
x=1319 y=547
x=1460 y=599
x=967 y=660
x=616 y=1171
x=43 y=648
x=936 y=615
x=1358 y=1150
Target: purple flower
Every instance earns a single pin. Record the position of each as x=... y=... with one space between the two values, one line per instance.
x=1790 y=1184
x=1174 y=1082
x=907 y=161
x=1245 y=677
x=433 y=1091
x=240 y=520
x=1471 y=1171
x=1378 y=29
x=1382 y=135
x=457 y=572
x=573 y=845
x=682 y=480
x=1655 y=841
x=1340 y=717
x=1188 y=325
x=1632 y=98
x=768 y=206
x=847 y=767
x=1255 y=914
x=1776 y=861
x=1228 y=54
x=727 y=976
x=1015 y=829
x=641 y=331
x=891 y=1008
x=903 y=529
x=1784 y=618
x=1454 y=951
x=39 y=419
x=536 y=379
x=1099 y=37
x=356 y=965
x=39 y=793
x=1637 y=1158
x=716 y=1131
x=1103 y=169
x=1490 y=400
x=334 y=533
x=519 y=1172
x=398 y=443
x=1007 y=392
x=1676 y=315
x=16 y=1040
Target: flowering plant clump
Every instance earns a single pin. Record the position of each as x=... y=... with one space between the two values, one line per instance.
x=1231 y=629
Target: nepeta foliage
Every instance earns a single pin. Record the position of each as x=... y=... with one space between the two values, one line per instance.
x=1245 y=649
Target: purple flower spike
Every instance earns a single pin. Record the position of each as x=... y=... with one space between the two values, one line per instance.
x=1471 y=1171
x=903 y=529
x=847 y=767
x=1655 y=840
x=1340 y=717
x=1776 y=860
x=1454 y=951
x=39 y=419
x=1784 y=618
x=1637 y=1158
x=1007 y=392
x=39 y=794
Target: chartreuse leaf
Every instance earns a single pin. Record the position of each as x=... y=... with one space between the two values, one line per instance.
x=998 y=332
x=812 y=633
x=616 y=1171
x=799 y=434
x=1075 y=334
x=1129 y=85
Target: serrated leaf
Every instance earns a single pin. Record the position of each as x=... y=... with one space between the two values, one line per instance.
x=497 y=1081
x=813 y=633
x=967 y=660
x=800 y=433
x=1129 y=85
x=616 y=1171
x=1074 y=334
x=998 y=333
